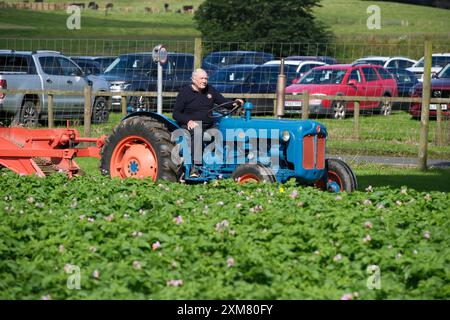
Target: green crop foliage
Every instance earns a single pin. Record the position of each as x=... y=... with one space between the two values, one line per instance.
x=136 y=239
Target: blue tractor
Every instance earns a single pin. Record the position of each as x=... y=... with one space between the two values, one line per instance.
x=147 y=144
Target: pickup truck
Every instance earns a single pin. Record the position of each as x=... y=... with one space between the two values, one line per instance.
x=46 y=70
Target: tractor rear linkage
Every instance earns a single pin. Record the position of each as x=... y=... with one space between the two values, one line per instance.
x=40 y=152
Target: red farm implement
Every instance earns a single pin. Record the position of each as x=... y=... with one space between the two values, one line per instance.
x=44 y=151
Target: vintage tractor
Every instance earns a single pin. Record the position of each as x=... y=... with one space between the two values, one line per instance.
x=147 y=144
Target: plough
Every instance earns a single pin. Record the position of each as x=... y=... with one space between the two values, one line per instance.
x=44 y=151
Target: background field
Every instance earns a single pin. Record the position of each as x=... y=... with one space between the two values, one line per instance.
x=404 y=25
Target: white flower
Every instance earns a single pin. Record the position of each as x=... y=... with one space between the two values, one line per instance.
x=347 y=296
x=367 y=202
x=67 y=267
x=96 y=274
x=294 y=194
x=337 y=258
x=222 y=225
x=175 y=282
x=426 y=235
x=137 y=265
x=230 y=262
x=61 y=248
x=156 y=245
x=369 y=189
x=178 y=219
x=256 y=208
x=368 y=224
x=367 y=238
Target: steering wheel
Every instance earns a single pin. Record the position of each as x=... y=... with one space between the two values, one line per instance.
x=222 y=109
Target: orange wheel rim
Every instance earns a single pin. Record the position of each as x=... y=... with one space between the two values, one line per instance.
x=333 y=176
x=248 y=177
x=134 y=157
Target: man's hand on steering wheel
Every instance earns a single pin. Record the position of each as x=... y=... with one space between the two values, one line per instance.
x=223 y=108
x=238 y=102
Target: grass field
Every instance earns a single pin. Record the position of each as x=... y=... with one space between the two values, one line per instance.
x=403 y=27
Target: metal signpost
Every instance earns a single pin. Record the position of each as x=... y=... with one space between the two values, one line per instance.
x=160 y=56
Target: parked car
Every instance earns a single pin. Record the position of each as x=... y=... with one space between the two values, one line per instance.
x=262 y=79
x=326 y=59
x=406 y=80
x=303 y=66
x=219 y=59
x=93 y=65
x=230 y=76
x=47 y=70
x=438 y=61
x=440 y=88
x=138 y=72
x=387 y=62
x=346 y=80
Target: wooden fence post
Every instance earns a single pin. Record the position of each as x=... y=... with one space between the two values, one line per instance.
x=123 y=103
x=198 y=53
x=356 y=120
x=51 y=121
x=424 y=119
x=87 y=110
x=305 y=105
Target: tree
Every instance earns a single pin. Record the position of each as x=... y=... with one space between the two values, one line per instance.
x=258 y=24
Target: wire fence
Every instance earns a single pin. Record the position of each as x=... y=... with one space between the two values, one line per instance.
x=368 y=96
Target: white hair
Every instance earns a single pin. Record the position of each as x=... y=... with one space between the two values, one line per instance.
x=197 y=71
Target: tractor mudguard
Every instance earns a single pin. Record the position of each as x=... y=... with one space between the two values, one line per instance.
x=169 y=123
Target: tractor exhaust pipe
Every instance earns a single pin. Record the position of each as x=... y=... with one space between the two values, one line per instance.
x=281 y=86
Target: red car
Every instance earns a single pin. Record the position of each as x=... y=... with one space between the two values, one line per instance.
x=345 y=80
x=440 y=88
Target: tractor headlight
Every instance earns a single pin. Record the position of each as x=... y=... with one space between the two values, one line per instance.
x=285 y=136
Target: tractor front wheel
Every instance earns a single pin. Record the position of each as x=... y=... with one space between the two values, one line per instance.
x=339 y=172
x=139 y=147
x=253 y=173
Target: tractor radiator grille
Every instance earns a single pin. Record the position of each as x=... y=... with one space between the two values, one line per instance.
x=314 y=152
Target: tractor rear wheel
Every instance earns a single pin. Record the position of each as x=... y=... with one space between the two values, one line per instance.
x=341 y=173
x=253 y=173
x=139 y=147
